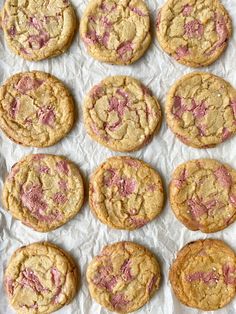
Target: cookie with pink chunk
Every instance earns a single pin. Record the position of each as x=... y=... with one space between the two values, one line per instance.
x=203 y=275
x=125 y=193
x=38 y=30
x=40 y=278
x=123 y=277
x=115 y=31
x=201 y=110
x=194 y=32
x=203 y=195
x=43 y=191
x=36 y=109
x=121 y=113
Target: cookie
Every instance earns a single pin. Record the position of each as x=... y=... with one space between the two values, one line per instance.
x=194 y=32
x=121 y=113
x=36 y=109
x=125 y=193
x=38 y=30
x=43 y=191
x=123 y=277
x=203 y=195
x=201 y=110
x=116 y=31
x=203 y=275
x=40 y=278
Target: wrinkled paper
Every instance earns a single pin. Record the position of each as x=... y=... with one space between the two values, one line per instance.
x=84 y=236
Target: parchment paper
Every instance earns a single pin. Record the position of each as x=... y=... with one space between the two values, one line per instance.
x=85 y=236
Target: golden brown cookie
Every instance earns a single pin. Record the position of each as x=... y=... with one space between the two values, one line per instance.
x=194 y=32
x=203 y=195
x=123 y=277
x=121 y=113
x=203 y=275
x=201 y=110
x=37 y=30
x=36 y=109
x=40 y=278
x=116 y=31
x=43 y=191
x=125 y=193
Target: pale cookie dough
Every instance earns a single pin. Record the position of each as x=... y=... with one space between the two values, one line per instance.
x=36 y=30
x=121 y=113
x=201 y=110
x=123 y=277
x=203 y=195
x=43 y=191
x=36 y=109
x=116 y=31
x=125 y=193
x=40 y=278
x=194 y=32
x=203 y=276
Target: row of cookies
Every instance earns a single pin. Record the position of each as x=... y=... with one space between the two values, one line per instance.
x=37 y=110
x=42 y=278
x=118 y=32
x=46 y=191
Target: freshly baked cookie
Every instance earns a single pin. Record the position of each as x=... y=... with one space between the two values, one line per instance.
x=123 y=277
x=40 y=278
x=43 y=191
x=36 y=109
x=194 y=32
x=36 y=30
x=116 y=31
x=203 y=275
x=121 y=113
x=125 y=193
x=203 y=195
x=201 y=110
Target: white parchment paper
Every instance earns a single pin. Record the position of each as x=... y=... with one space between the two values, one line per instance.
x=85 y=236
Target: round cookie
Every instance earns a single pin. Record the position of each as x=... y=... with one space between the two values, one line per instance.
x=203 y=275
x=121 y=113
x=125 y=193
x=194 y=32
x=36 y=109
x=116 y=31
x=43 y=191
x=36 y=30
x=123 y=277
x=40 y=278
x=201 y=110
x=203 y=195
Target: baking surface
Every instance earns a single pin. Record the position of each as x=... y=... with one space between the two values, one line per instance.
x=85 y=236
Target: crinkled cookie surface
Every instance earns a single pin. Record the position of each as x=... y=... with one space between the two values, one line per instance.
x=203 y=275
x=116 y=31
x=201 y=110
x=123 y=277
x=125 y=193
x=43 y=191
x=40 y=278
x=194 y=32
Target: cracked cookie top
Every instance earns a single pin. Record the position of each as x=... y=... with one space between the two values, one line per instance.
x=36 y=109
x=43 y=191
x=201 y=110
x=203 y=275
x=40 y=278
x=194 y=32
x=203 y=195
x=123 y=277
x=121 y=113
x=116 y=31
x=125 y=193
x=36 y=30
